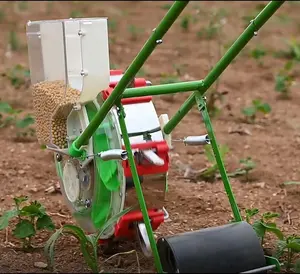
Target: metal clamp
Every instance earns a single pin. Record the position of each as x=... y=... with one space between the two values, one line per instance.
x=112 y=154
x=195 y=140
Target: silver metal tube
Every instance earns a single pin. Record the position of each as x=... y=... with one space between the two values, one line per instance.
x=261 y=269
x=113 y=154
x=196 y=140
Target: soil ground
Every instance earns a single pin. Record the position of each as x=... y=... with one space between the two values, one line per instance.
x=273 y=142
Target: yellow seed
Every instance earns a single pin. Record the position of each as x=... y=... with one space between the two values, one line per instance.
x=52 y=103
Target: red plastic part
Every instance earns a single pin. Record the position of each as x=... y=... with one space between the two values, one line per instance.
x=125 y=229
x=114 y=72
x=138 y=82
x=145 y=167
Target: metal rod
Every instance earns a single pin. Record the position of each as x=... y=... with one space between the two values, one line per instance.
x=138 y=188
x=129 y=74
x=203 y=110
x=260 y=270
x=163 y=89
x=232 y=52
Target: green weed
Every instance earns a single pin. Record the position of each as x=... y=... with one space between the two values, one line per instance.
x=257 y=54
x=14 y=41
x=134 y=32
x=18 y=76
x=11 y=116
x=247 y=165
x=23 y=5
x=292 y=52
x=32 y=218
x=76 y=14
x=215 y=25
x=210 y=173
x=257 y=107
x=264 y=224
x=2 y=15
x=284 y=80
x=291 y=246
x=185 y=22
x=112 y=25
x=88 y=243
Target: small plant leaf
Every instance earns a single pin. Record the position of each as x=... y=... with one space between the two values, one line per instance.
x=23 y=123
x=249 y=111
x=85 y=245
x=6 y=217
x=35 y=209
x=288 y=65
x=45 y=222
x=270 y=215
x=24 y=229
x=5 y=107
x=251 y=212
x=50 y=244
x=19 y=200
x=259 y=229
x=264 y=108
x=256 y=102
x=271 y=227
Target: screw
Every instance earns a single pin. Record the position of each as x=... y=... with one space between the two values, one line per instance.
x=58 y=157
x=81 y=33
x=83 y=73
x=88 y=203
x=159 y=41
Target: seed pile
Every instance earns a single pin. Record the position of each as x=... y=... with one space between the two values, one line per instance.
x=52 y=102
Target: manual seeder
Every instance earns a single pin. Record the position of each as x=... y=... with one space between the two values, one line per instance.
x=111 y=149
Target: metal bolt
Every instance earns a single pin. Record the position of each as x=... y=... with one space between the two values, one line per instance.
x=58 y=157
x=76 y=107
x=159 y=41
x=255 y=33
x=81 y=33
x=83 y=73
x=88 y=203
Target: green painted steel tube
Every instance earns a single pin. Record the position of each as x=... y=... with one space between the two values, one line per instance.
x=163 y=89
x=138 y=189
x=232 y=52
x=130 y=73
x=203 y=110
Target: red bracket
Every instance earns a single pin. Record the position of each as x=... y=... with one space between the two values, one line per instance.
x=145 y=167
x=138 y=82
x=124 y=228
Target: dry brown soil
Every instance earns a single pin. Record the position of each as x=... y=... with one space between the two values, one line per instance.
x=274 y=142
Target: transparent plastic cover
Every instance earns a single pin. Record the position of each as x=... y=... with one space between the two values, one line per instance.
x=69 y=64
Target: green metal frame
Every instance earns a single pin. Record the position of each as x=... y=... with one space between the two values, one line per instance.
x=198 y=87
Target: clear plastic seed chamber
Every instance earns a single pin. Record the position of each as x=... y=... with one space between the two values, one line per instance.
x=69 y=65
